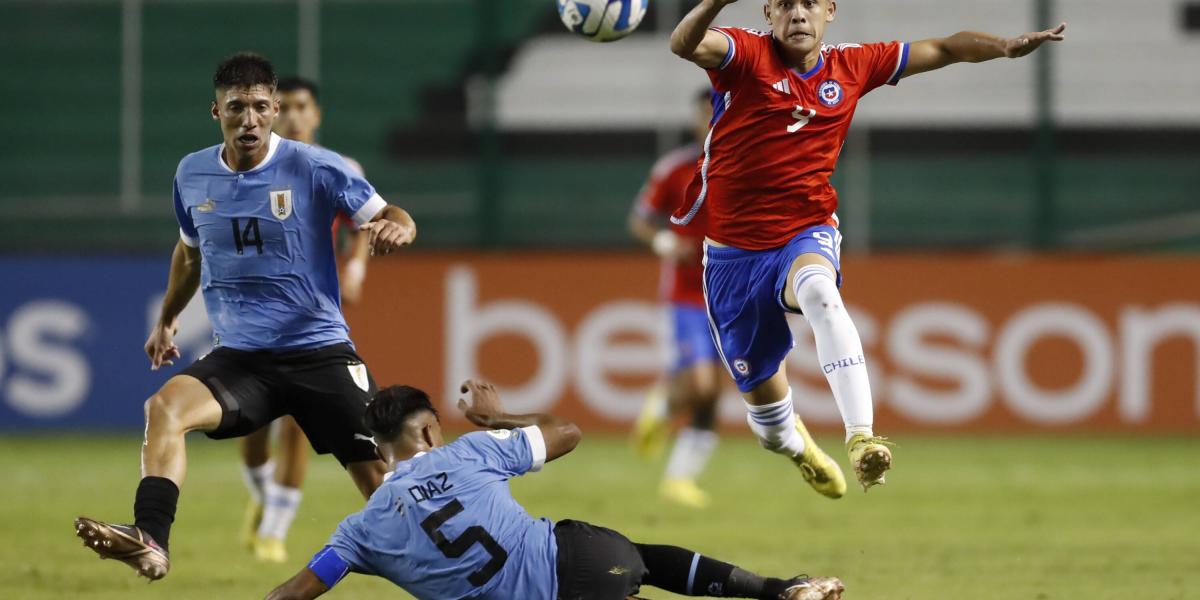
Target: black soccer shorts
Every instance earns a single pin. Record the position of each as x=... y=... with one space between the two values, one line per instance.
x=595 y=563
x=325 y=389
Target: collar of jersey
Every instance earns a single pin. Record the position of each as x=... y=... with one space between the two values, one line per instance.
x=272 y=145
x=812 y=71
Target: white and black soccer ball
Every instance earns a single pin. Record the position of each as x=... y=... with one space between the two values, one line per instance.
x=602 y=20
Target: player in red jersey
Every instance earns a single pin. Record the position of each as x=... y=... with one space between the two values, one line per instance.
x=275 y=485
x=694 y=378
x=763 y=188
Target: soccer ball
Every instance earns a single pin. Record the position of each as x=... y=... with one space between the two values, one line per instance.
x=602 y=20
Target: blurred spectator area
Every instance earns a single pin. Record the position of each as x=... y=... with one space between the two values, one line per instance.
x=496 y=128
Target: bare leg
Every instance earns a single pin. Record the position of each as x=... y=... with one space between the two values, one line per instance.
x=256 y=447
x=293 y=453
x=367 y=475
x=183 y=404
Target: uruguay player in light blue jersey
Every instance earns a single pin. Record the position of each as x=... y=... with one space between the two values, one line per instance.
x=445 y=526
x=255 y=216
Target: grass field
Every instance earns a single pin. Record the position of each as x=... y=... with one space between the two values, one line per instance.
x=963 y=518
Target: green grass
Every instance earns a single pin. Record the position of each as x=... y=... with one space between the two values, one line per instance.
x=963 y=518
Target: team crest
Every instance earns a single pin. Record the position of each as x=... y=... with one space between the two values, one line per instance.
x=281 y=204
x=741 y=366
x=358 y=371
x=830 y=93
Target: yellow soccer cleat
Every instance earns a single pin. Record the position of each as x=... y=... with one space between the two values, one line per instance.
x=870 y=457
x=270 y=550
x=818 y=469
x=251 y=518
x=652 y=428
x=684 y=492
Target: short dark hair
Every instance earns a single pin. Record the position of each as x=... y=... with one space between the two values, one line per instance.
x=391 y=407
x=244 y=69
x=297 y=83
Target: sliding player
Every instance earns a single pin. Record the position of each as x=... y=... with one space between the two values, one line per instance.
x=275 y=485
x=772 y=244
x=254 y=217
x=695 y=377
x=444 y=524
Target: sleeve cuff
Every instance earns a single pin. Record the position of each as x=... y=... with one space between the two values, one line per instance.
x=537 y=446
x=188 y=240
x=901 y=63
x=730 y=53
x=368 y=211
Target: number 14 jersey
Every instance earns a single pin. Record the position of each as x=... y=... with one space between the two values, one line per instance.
x=268 y=271
x=775 y=137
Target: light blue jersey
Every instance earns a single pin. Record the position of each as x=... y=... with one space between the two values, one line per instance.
x=268 y=270
x=445 y=525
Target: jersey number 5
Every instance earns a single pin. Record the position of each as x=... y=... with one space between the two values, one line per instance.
x=802 y=116
x=459 y=546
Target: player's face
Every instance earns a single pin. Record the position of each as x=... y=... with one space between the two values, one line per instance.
x=299 y=116
x=701 y=120
x=246 y=115
x=799 y=24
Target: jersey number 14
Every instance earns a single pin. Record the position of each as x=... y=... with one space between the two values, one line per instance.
x=250 y=236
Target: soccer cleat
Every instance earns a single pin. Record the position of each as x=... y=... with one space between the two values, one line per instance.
x=818 y=469
x=652 y=428
x=870 y=457
x=251 y=519
x=125 y=543
x=684 y=492
x=270 y=550
x=813 y=588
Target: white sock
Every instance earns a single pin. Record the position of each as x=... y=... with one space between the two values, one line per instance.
x=693 y=448
x=838 y=346
x=775 y=426
x=256 y=479
x=279 y=510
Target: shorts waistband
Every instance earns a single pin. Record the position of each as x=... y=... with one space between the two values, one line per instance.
x=728 y=252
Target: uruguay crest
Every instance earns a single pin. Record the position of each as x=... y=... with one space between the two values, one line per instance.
x=281 y=204
x=830 y=93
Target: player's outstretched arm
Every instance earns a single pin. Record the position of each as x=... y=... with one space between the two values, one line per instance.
x=664 y=242
x=390 y=229
x=482 y=407
x=304 y=586
x=182 y=284
x=692 y=40
x=973 y=47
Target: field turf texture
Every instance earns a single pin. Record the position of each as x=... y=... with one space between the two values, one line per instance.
x=962 y=517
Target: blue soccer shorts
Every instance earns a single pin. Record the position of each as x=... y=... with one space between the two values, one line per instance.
x=692 y=337
x=744 y=290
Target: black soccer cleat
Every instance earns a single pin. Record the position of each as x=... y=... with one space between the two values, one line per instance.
x=125 y=543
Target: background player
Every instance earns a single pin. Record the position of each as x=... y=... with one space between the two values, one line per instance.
x=254 y=215
x=444 y=525
x=772 y=244
x=694 y=380
x=275 y=485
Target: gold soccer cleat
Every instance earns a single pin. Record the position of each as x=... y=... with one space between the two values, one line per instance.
x=814 y=588
x=125 y=543
x=684 y=492
x=818 y=469
x=870 y=457
x=270 y=550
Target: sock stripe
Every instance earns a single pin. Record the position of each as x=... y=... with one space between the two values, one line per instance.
x=692 y=572
x=807 y=273
x=775 y=417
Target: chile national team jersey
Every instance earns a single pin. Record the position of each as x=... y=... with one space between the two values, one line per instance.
x=776 y=135
x=444 y=525
x=681 y=281
x=268 y=270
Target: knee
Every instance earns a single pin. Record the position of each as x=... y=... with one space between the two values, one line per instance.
x=819 y=296
x=160 y=411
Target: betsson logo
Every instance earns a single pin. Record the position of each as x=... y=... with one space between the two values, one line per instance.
x=599 y=354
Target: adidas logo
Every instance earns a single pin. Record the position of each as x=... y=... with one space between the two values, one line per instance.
x=782 y=86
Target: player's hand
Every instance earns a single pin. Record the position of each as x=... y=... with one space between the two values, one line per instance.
x=385 y=235
x=1026 y=44
x=481 y=405
x=161 y=346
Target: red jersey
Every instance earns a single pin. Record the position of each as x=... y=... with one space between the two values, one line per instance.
x=776 y=136
x=664 y=192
